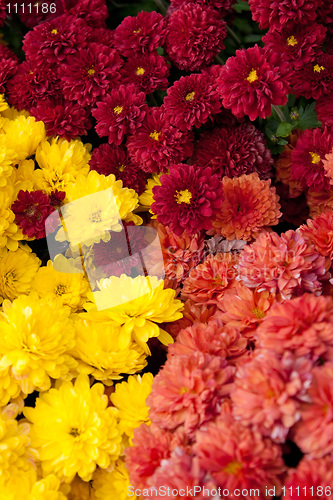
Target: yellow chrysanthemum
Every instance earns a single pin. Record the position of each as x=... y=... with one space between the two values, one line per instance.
x=79 y=490
x=130 y=400
x=22 y=135
x=17 y=272
x=47 y=489
x=25 y=176
x=112 y=485
x=73 y=429
x=9 y=387
x=10 y=233
x=7 y=159
x=146 y=199
x=12 y=113
x=35 y=336
x=99 y=352
x=60 y=162
x=3 y=103
x=144 y=303
x=71 y=288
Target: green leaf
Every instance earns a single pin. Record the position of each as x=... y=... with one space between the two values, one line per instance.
x=252 y=38
x=282 y=142
x=309 y=118
x=284 y=129
x=241 y=6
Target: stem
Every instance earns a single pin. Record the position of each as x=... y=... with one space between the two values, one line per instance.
x=219 y=59
x=161 y=5
x=279 y=113
x=234 y=37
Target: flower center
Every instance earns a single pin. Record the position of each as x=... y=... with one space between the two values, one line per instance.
x=140 y=71
x=315 y=158
x=258 y=314
x=74 y=432
x=118 y=110
x=32 y=212
x=233 y=467
x=55 y=32
x=10 y=276
x=252 y=76
x=60 y=290
x=291 y=40
x=121 y=167
x=91 y=71
x=155 y=135
x=318 y=68
x=96 y=217
x=137 y=31
x=190 y=96
x=183 y=196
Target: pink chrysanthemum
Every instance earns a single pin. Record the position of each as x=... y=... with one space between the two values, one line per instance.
x=157 y=144
x=120 y=113
x=191 y=101
x=298 y=44
x=328 y=165
x=89 y=74
x=314 y=79
x=324 y=109
x=320 y=232
x=188 y=391
x=314 y=432
x=238 y=457
x=187 y=199
x=307 y=158
x=193 y=312
x=287 y=265
x=147 y=71
x=234 y=151
x=195 y=36
x=278 y=14
x=249 y=205
x=208 y=281
x=268 y=392
x=31 y=209
x=311 y=475
x=252 y=81
x=143 y=33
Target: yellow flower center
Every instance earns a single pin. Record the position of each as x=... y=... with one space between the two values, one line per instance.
x=55 y=32
x=291 y=40
x=60 y=290
x=252 y=76
x=9 y=277
x=155 y=135
x=137 y=31
x=140 y=71
x=96 y=217
x=315 y=158
x=118 y=110
x=233 y=467
x=121 y=167
x=258 y=314
x=190 y=96
x=91 y=71
x=74 y=432
x=184 y=390
x=183 y=196
x=318 y=68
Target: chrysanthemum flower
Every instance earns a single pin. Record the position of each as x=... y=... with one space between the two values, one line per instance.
x=208 y=281
x=100 y=354
x=282 y=167
x=79 y=489
x=319 y=202
x=121 y=113
x=222 y=6
x=324 y=109
x=157 y=144
x=310 y=475
x=287 y=265
x=146 y=199
x=7 y=158
x=31 y=210
x=9 y=387
x=268 y=391
x=130 y=400
x=73 y=430
x=328 y=165
x=238 y=457
x=315 y=79
x=234 y=151
x=113 y=484
x=9 y=63
x=147 y=72
x=320 y=232
x=48 y=487
x=195 y=36
x=10 y=233
x=189 y=390
x=307 y=159
x=249 y=206
x=89 y=74
x=187 y=198
x=17 y=272
x=313 y=433
x=35 y=337
x=253 y=80
x=22 y=135
x=143 y=33
x=93 y=12
x=298 y=43
x=193 y=312
x=191 y=101
x=286 y=13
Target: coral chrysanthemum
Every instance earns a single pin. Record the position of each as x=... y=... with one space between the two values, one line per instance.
x=283 y=13
x=73 y=430
x=310 y=475
x=31 y=210
x=328 y=166
x=17 y=272
x=320 y=232
x=288 y=265
x=253 y=80
x=249 y=206
x=187 y=198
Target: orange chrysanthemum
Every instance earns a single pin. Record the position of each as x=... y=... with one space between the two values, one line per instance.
x=319 y=202
x=249 y=205
x=282 y=166
x=320 y=233
x=328 y=166
x=193 y=312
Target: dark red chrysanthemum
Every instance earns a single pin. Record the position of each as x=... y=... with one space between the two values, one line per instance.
x=315 y=79
x=57 y=198
x=111 y=159
x=307 y=159
x=195 y=36
x=277 y=14
x=252 y=81
x=143 y=33
x=51 y=42
x=63 y=118
x=191 y=101
x=234 y=151
x=120 y=113
x=104 y=36
x=298 y=44
x=31 y=209
x=187 y=199
x=93 y=12
x=8 y=65
x=3 y=12
x=147 y=71
x=324 y=109
x=157 y=144
x=221 y=5
x=89 y=74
